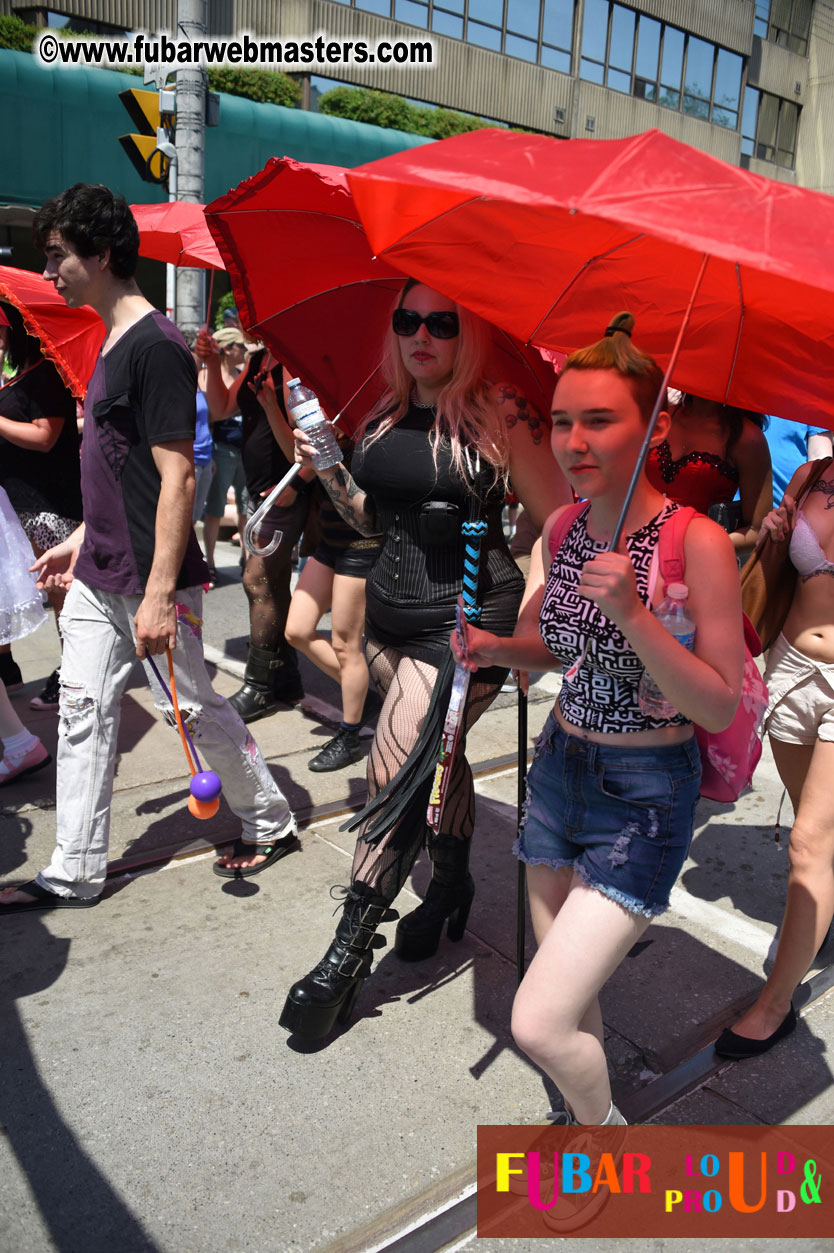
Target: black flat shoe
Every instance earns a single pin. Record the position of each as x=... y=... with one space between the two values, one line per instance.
x=343 y=750
x=738 y=1047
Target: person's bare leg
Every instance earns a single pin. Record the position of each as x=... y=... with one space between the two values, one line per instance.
x=556 y=1017
x=348 y=624
x=806 y=771
x=310 y=602
x=211 y=530
x=10 y=724
x=547 y=891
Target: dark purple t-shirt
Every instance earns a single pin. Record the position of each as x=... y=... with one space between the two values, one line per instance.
x=141 y=393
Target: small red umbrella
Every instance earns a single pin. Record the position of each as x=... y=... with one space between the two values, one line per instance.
x=69 y=337
x=549 y=237
x=305 y=280
x=176 y=232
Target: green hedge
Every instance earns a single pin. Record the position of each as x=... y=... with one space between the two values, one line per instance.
x=265 y=86
x=380 y=108
x=16 y=34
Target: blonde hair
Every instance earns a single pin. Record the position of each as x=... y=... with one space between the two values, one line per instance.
x=466 y=413
x=615 y=351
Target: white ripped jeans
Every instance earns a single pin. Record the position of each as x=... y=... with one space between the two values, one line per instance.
x=99 y=652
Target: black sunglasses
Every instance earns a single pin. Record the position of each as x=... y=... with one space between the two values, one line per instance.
x=443 y=325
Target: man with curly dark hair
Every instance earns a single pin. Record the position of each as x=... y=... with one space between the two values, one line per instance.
x=134 y=569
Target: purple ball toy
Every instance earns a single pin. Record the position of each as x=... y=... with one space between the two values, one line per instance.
x=206 y=785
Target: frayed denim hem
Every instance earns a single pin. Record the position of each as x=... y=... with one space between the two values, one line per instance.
x=555 y=863
x=619 y=898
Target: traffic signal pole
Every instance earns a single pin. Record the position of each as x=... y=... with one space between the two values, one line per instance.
x=187 y=179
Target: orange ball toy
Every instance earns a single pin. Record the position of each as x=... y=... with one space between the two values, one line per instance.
x=203 y=809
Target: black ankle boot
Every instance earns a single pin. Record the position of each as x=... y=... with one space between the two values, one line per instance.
x=449 y=896
x=327 y=994
x=285 y=678
x=256 y=698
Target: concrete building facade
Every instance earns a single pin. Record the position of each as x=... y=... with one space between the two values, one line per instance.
x=751 y=81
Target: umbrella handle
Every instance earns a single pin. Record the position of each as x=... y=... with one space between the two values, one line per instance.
x=254 y=524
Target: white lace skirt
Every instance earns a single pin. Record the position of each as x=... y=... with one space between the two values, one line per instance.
x=21 y=608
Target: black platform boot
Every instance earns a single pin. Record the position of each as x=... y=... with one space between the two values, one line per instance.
x=449 y=896
x=327 y=994
x=256 y=698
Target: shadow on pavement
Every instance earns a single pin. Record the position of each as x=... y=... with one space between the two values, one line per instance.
x=77 y=1204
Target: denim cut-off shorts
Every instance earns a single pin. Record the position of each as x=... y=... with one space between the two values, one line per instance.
x=621 y=817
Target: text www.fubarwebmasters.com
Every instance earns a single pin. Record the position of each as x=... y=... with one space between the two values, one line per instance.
x=244 y=49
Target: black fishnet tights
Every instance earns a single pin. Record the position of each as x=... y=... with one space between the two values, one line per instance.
x=266 y=582
x=406 y=687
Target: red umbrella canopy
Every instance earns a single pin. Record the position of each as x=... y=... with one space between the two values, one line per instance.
x=305 y=280
x=176 y=232
x=69 y=337
x=549 y=238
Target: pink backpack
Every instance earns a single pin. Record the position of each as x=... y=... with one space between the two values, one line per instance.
x=728 y=758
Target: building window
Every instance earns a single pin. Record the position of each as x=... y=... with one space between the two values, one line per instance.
x=412 y=11
x=78 y=25
x=538 y=31
x=381 y=7
x=784 y=22
x=557 y=34
x=643 y=57
x=769 y=128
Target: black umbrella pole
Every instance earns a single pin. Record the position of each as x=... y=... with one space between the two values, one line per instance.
x=521 y=919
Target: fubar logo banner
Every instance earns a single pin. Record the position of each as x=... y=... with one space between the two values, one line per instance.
x=609 y=1182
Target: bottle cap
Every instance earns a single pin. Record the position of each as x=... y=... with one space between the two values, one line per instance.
x=293 y=382
x=677 y=591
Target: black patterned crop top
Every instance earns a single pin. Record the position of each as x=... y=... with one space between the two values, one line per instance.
x=602 y=695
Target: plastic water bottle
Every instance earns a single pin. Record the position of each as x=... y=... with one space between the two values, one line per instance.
x=672 y=613
x=305 y=409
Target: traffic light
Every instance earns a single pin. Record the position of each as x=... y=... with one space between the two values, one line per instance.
x=154 y=115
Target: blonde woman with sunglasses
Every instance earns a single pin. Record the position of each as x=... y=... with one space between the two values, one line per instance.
x=440 y=446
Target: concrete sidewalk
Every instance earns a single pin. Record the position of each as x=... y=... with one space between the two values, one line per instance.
x=149 y=1099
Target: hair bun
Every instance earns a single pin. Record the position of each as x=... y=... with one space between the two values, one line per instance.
x=622 y=322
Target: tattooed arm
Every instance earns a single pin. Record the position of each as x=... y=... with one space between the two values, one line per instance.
x=825 y=487
x=353 y=505
x=536 y=479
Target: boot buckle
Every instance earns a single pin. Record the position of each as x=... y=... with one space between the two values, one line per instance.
x=351 y=965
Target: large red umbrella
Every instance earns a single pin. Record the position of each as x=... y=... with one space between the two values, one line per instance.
x=549 y=238
x=176 y=232
x=305 y=280
x=69 y=337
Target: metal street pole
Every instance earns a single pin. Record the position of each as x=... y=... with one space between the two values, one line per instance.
x=191 y=114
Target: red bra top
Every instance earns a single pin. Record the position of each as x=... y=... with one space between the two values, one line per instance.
x=699 y=479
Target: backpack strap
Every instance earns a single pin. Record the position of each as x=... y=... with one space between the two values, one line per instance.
x=563 y=524
x=670 y=550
